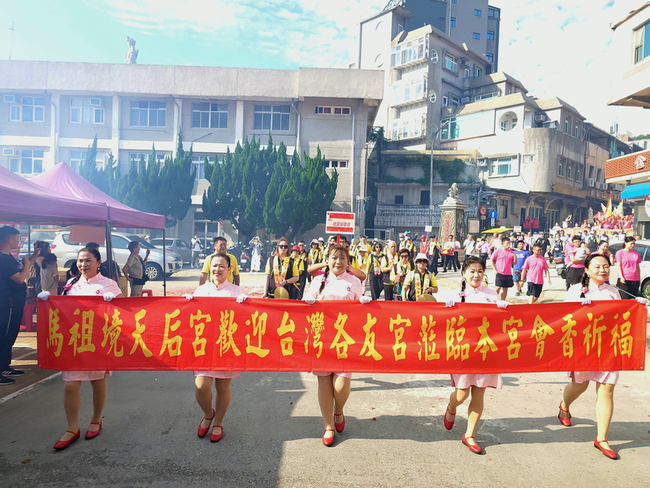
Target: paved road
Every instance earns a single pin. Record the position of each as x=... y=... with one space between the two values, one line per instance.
x=394 y=434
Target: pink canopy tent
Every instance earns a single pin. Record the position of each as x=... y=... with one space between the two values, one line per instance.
x=63 y=180
x=23 y=201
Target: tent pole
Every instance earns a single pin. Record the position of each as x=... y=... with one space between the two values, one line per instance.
x=164 y=266
x=29 y=239
x=109 y=250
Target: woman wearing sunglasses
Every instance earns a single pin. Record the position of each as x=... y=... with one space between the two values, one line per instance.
x=281 y=270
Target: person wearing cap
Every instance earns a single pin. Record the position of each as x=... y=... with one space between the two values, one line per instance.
x=424 y=246
x=321 y=244
x=364 y=240
x=363 y=261
x=408 y=243
x=315 y=255
x=353 y=248
x=399 y=270
x=298 y=287
x=376 y=277
x=419 y=281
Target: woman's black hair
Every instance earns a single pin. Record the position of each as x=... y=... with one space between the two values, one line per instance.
x=50 y=258
x=95 y=254
x=584 y=281
x=221 y=255
x=630 y=239
x=466 y=264
x=132 y=245
x=332 y=249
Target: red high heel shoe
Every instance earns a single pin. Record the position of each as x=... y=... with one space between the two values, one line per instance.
x=216 y=437
x=476 y=449
x=203 y=431
x=448 y=424
x=341 y=425
x=328 y=441
x=63 y=444
x=91 y=434
x=607 y=452
x=566 y=421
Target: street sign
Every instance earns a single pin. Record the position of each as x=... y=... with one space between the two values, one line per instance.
x=516 y=229
x=339 y=223
x=482 y=210
x=428 y=228
x=493 y=221
x=493 y=214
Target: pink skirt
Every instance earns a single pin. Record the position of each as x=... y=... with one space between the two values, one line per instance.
x=603 y=377
x=223 y=375
x=464 y=381
x=323 y=373
x=84 y=375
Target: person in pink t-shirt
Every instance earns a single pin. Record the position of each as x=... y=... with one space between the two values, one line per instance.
x=627 y=264
x=502 y=261
x=534 y=269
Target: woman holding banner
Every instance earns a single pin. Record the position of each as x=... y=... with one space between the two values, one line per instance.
x=334 y=284
x=593 y=286
x=472 y=290
x=88 y=283
x=218 y=286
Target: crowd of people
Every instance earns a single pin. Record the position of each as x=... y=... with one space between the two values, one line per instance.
x=343 y=270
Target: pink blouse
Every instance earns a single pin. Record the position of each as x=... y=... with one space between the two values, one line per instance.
x=341 y=287
x=97 y=285
x=595 y=292
x=482 y=294
x=225 y=289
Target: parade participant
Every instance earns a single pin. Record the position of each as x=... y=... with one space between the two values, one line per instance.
x=447 y=253
x=220 y=246
x=256 y=258
x=533 y=271
x=374 y=272
x=88 y=283
x=502 y=260
x=456 y=247
x=364 y=240
x=390 y=258
x=334 y=388
x=353 y=248
x=483 y=250
x=321 y=244
x=593 y=287
x=13 y=294
x=472 y=290
x=433 y=253
x=299 y=286
x=469 y=245
x=353 y=267
x=303 y=251
x=217 y=286
x=575 y=267
x=603 y=250
x=363 y=261
x=399 y=271
x=544 y=243
x=50 y=274
x=629 y=273
x=419 y=281
x=134 y=268
x=407 y=243
x=522 y=255
x=197 y=247
x=281 y=270
x=314 y=256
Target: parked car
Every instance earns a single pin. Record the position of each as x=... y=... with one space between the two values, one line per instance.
x=178 y=246
x=643 y=248
x=45 y=235
x=66 y=252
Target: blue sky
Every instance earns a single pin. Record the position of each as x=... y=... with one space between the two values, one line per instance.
x=554 y=48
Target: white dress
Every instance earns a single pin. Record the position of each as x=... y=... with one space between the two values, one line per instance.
x=595 y=292
x=97 y=285
x=225 y=289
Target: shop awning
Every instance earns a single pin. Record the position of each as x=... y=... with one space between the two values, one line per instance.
x=639 y=190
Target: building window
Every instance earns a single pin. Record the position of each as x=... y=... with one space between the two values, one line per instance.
x=271 y=117
x=400 y=28
x=135 y=159
x=566 y=125
x=467 y=72
x=455 y=101
x=508 y=121
x=529 y=158
x=210 y=115
x=493 y=12
x=503 y=207
x=485 y=96
x=424 y=197
x=490 y=35
x=476 y=35
x=336 y=164
x=490 y=57
x=502 y=167
x=477 y=12
x=399 y=199
x=14 y=165
x=478 y=72
x=332 y=110
x=86 y=111
x=568 y=170
x=576 y=130
x=578 y=173
x=452 y=21
x=148 y=114
x=641 y=43
x=560 y=168
x=433 y=56
x=599 y=175
x=451 y=63
x=198 y=163
x=31 y=110
x=77 y=159
x=445 y=101
x=31 y=162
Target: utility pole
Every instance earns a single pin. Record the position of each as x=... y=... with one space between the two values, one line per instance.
x=11 y=37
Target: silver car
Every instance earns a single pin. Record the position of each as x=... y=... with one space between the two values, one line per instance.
x=179 y=246
x=67 y=251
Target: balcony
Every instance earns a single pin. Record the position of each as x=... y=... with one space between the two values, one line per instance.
x=410 y=53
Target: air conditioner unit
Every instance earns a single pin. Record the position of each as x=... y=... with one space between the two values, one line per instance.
x=7 y=152
x=540 y=117
x=96 y=101
x=590 y=182
x=12 y=99
x=482 y=161
x=464 y=100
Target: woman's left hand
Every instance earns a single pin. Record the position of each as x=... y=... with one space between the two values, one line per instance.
x=502 y=304
x=365 y=299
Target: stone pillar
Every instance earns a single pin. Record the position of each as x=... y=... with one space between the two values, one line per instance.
x=452 y=221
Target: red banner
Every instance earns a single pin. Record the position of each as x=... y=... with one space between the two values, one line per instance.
x=87 y=333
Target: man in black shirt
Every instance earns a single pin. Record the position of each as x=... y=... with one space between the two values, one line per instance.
x=13 y=293
x=543 y=242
